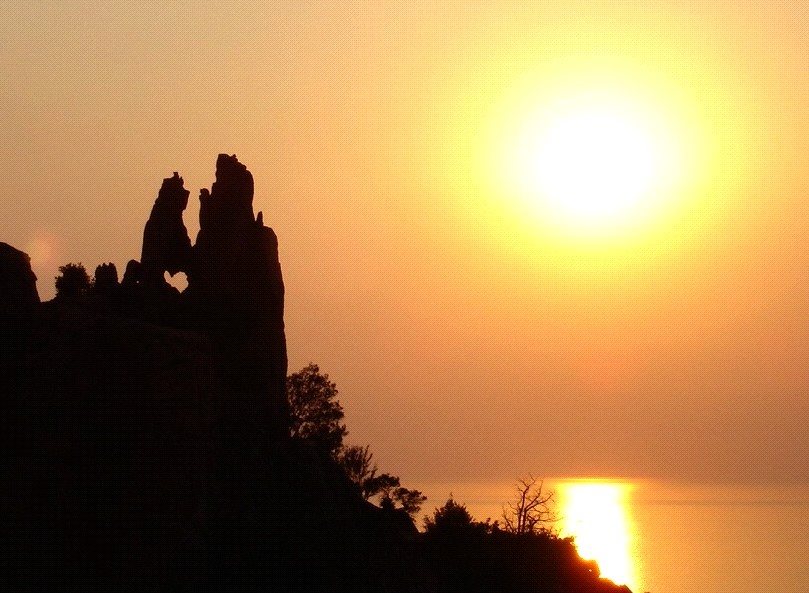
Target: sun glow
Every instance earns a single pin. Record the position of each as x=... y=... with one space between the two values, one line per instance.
x=596 y=513
x=590 y=162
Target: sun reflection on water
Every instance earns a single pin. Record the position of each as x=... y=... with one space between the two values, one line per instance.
x=597 y=514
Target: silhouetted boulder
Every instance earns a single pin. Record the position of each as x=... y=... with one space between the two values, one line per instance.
x=166 y=246
x=18 y=284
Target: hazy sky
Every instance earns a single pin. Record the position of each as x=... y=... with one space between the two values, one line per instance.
x=471 y=336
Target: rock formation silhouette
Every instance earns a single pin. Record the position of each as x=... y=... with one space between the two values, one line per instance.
x=18 y=284
x=229 y=236
x=166 y=246
x=144 y=430
x=236 y=291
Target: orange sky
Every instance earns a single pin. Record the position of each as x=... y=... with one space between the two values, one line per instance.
x=470 y=337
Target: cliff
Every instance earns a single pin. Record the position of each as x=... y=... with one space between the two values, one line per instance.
x=145 y=434
x=18 y=284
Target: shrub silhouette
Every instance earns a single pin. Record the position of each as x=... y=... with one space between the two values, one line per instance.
x=73 y=281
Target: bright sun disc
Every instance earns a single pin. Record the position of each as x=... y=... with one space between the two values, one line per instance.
x=594 y=167
x=591 y=164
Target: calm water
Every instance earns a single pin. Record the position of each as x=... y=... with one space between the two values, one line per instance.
x=674 y=538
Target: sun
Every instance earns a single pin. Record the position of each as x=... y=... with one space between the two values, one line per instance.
x=594 y=167
x=593 y=164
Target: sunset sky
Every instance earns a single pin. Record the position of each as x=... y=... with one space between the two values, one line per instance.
x=475 y=327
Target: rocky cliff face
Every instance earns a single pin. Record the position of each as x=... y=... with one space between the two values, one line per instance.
x=106 y=431
x=142 y=429
x=18 y=284
x=144 y=432
x=235 y=293
x=235 y=281
x=228 y=235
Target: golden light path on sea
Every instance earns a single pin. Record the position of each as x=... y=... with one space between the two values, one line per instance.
x=597 y=514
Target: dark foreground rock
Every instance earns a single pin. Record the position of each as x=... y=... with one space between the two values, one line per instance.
x=18 y=284
x=127 y=464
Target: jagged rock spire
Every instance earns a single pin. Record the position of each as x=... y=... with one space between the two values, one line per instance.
x=166 y=246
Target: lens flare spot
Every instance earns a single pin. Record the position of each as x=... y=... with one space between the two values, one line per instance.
x=43 y=249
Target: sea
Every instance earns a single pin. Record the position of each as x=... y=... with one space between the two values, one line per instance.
x=669 y=537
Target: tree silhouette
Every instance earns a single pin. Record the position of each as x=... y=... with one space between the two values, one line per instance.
x=531 y=509
x=454 y=522
x=409 y=501
x=357 y=462
x=450 y=518
x=315 y=413
x=73 y=281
